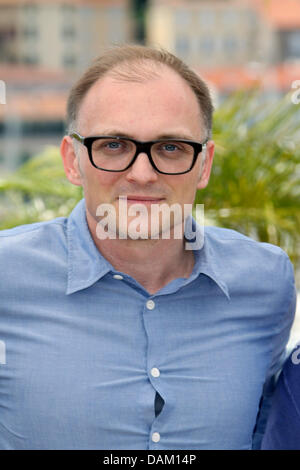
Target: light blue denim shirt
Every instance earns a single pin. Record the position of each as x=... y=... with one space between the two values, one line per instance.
x=86 y=352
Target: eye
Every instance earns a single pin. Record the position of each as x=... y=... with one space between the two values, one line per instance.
x=113 y=145
x=170 y=147
x=173 y=149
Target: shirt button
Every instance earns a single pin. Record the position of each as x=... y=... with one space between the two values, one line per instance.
x=156 y=437
x=155 y=372
x=118 y=276
x=150 y=305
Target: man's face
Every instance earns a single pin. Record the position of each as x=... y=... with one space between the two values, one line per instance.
x=161 y=107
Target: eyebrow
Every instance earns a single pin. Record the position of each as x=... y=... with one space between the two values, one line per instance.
x=118 y=133
x=176 y=136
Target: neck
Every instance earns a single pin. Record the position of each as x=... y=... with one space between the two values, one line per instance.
x=152 y=263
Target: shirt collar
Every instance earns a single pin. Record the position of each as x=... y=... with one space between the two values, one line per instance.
x=207 y=261
x=86 y=265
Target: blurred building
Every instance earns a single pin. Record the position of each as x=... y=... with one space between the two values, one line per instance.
x=283 y=22
x=59 y=34
x=210 y=33
x=215 y=33
x=33 y=116
x=44 y=45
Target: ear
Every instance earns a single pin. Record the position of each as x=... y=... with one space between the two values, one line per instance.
x=207 y=165
x=70 y=161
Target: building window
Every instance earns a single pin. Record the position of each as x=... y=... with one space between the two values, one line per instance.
x=30 y=8
x=182 y=18
x=30 y=60
x=206 y=18
x=30 y=32
x=116 y=25
x=68 y=32
x=7 y=34
x=206 y=45
x=29 y=14
x=252 y=17
x=182 y=46
x=230 y=45
x=230 y=17
x=293 y=44
x=69 y=61
x=68 y=9
x=115 y=14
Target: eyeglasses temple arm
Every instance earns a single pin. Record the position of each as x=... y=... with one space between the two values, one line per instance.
x=77 y=137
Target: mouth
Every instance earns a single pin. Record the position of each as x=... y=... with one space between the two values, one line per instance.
x=147 y=200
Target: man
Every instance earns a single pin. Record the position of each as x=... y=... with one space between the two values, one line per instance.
x=283 y=425
x=118 y=336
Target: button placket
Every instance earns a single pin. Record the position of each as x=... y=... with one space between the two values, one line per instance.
x=154 y=374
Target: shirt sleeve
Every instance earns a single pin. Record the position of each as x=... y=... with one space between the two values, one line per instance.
x=283 y=425
x=279 y=353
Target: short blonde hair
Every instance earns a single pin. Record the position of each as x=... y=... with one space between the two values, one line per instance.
x=115 y=58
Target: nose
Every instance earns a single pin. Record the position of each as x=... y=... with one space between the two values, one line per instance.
x=142 y=171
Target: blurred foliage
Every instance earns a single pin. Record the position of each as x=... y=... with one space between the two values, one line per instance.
x=255 y=182
x=37 y=191
x=254 y=187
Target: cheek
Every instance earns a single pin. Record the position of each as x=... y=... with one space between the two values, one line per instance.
x=99 y=182
x=184 y=188
x=98 y=188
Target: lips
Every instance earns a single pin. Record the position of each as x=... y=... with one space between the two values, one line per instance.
x=142 y=199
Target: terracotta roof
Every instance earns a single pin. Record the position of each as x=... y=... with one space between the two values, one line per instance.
x=34 y=92
x=48 y=103
x=282 y=14
x=47 y=107
x=71 y=2
x=227 y=79
x=22 y=74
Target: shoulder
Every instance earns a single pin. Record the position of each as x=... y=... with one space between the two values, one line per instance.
x=235 y=243
x=283 y=424
x=21 y=229
x=243 y=261
x=33 y=257
x=32 y=252
x=38 y=235
x=234 y=238
x=291 y=373
x=287 y=391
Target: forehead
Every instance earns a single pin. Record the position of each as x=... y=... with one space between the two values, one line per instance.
x=158 y=98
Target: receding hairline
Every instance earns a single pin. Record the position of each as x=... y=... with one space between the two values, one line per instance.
x=138 y=64
x=140 y=72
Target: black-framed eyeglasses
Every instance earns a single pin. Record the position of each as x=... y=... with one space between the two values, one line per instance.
x=116 y=153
